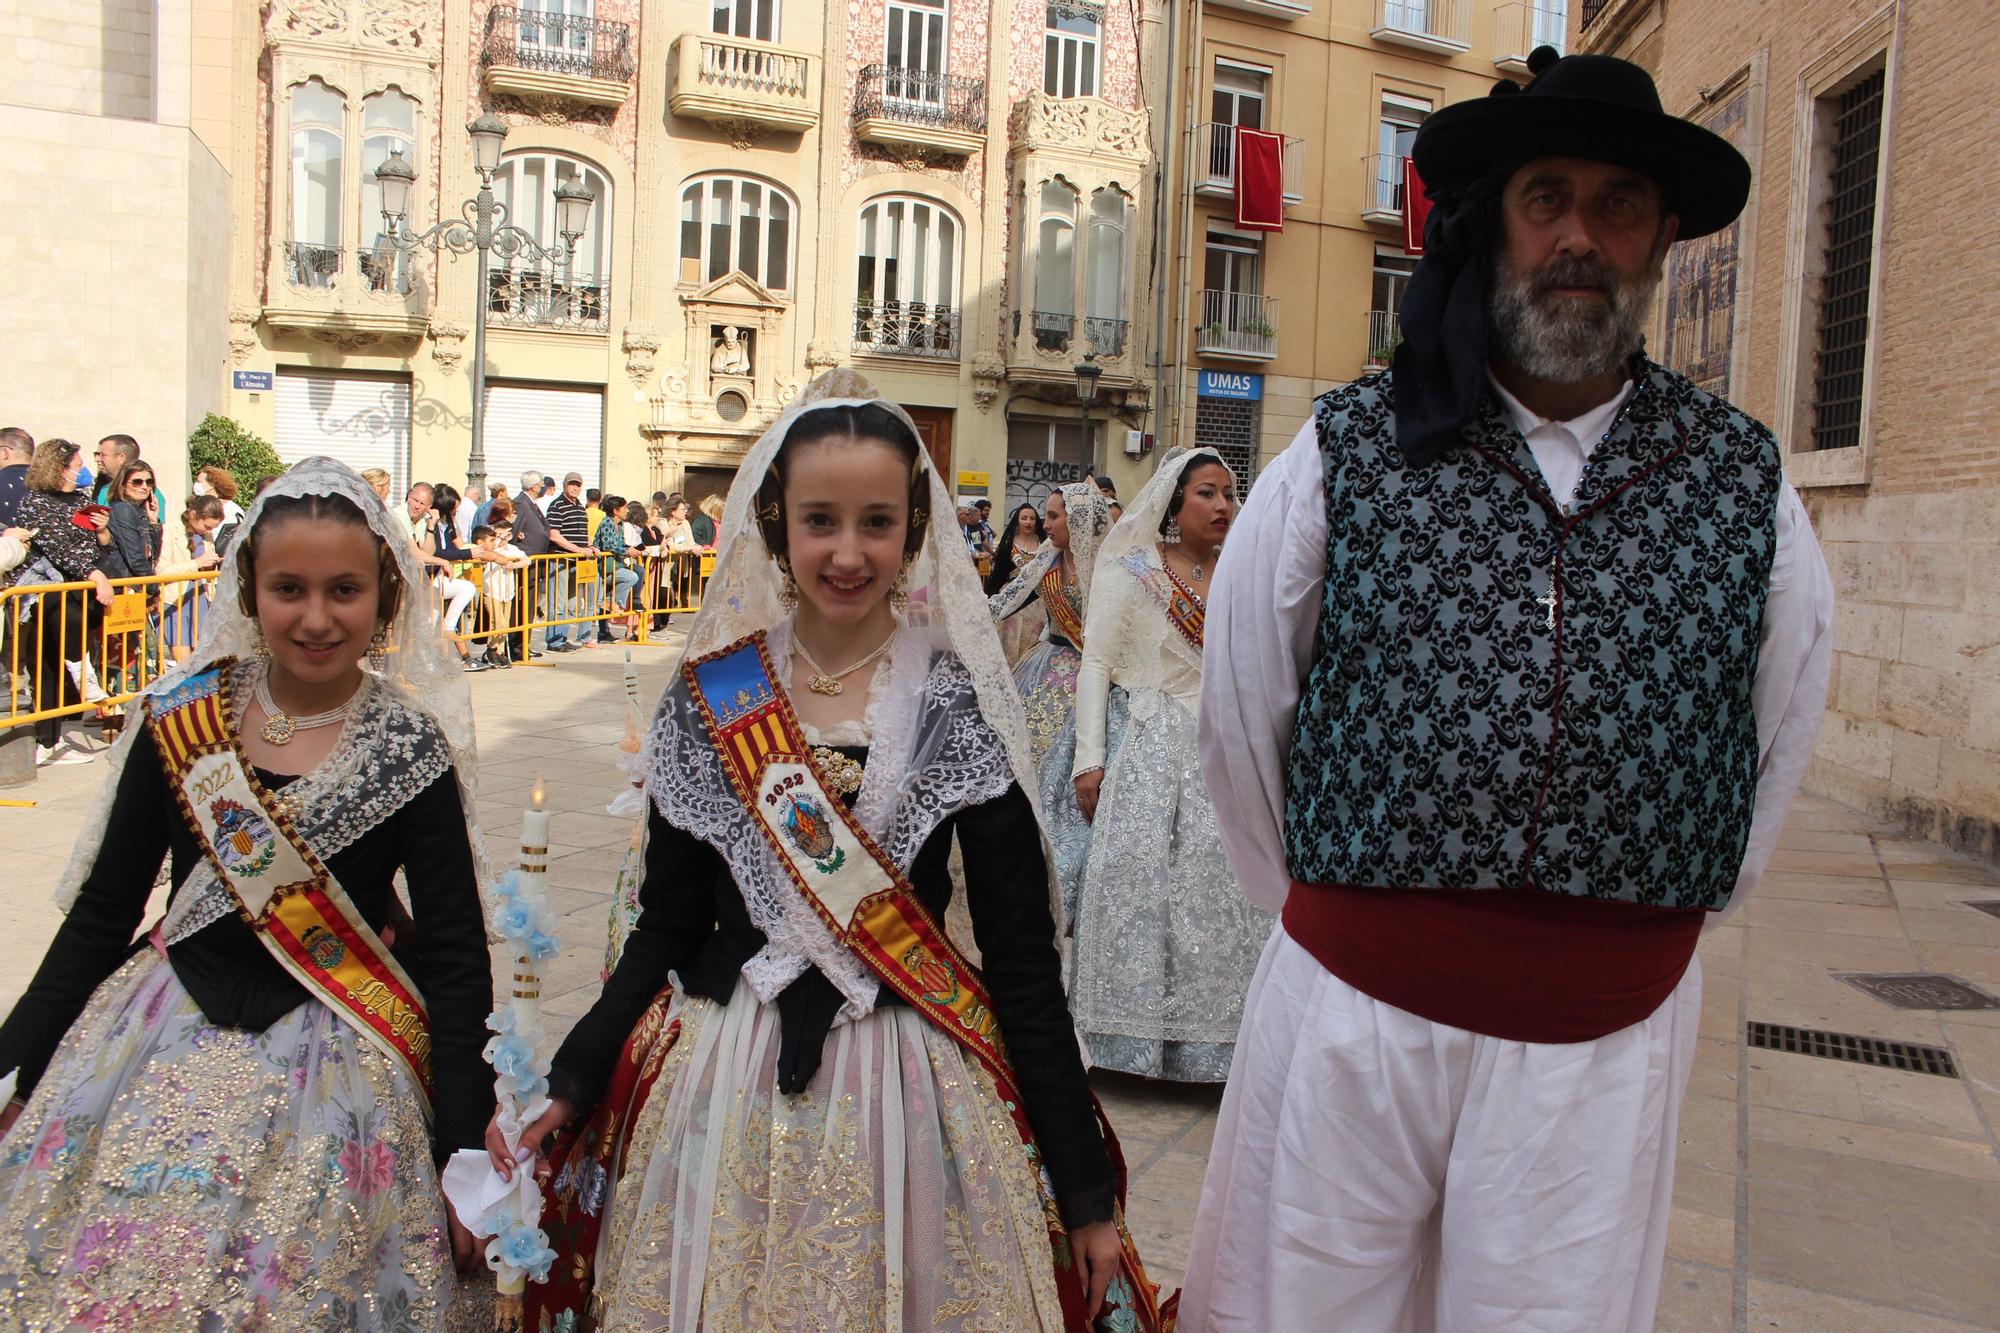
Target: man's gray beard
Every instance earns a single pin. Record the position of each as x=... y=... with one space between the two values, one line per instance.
x=1569 y=341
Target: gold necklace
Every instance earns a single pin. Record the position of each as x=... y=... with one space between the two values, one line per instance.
x=822 y=681
x=280 y=726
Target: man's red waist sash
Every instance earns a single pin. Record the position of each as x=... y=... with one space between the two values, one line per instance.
x=1521 y=965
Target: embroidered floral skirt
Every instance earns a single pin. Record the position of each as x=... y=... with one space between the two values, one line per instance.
x=1164 y=942
x=892 y=1193
x=173 y=1174
x=1046 y=679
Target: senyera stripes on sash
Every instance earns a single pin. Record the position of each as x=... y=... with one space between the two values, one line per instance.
x=1183 y=606
x=868 y=903
x=1059 y=599
x=296 y=908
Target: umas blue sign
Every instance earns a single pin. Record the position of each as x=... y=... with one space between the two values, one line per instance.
x=1230 y=384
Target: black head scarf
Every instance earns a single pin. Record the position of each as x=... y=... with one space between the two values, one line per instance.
x=1440 y=366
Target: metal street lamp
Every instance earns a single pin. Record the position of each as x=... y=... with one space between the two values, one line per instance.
x=1087 y=372
x=483 y=229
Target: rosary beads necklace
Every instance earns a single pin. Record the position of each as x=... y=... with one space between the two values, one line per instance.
x=822 y=681
x=280 y=726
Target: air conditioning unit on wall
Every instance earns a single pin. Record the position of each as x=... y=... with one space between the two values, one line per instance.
x=1138 y=443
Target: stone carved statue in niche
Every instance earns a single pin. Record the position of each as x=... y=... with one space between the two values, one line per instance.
x=730 y=354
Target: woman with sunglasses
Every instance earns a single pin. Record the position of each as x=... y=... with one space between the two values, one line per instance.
x=134 y=552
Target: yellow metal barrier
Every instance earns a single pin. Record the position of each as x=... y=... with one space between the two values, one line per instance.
x=67 y=654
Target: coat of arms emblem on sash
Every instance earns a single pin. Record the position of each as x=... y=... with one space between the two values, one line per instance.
x=244 y=839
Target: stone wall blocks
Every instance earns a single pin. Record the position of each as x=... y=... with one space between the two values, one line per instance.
x=1965 y=782
x=1951 y=643
x=1935 y=575
x=1858 y=744
x=1869 y=629
x=1919 y=699
x=1856 y=682
x=1913 y=763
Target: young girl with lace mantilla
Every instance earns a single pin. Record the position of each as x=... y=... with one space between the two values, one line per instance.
x=235 y=1123
x=834 y=1119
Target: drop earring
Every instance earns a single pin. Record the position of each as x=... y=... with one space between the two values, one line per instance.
x=378 y=647
x=1173 y=532
x=788 y=590
x=899 y=591
x=258 y=648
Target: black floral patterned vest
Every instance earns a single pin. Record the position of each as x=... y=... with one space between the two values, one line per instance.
x=1504 y=694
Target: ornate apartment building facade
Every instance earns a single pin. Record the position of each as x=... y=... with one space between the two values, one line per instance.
x=778 y=188
x=1260 y=322
x=1851 y=309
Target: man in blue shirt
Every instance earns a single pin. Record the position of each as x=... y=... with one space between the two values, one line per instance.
x=16 y=448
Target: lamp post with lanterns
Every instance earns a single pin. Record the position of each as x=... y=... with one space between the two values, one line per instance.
x=484 y=230
x=1087 y=372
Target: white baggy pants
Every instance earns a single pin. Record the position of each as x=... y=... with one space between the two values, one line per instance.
x=1375 y=1172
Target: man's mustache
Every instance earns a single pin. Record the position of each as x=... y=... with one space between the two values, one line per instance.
x=1576 y=273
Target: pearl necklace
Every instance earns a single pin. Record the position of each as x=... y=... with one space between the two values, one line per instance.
x=822 y=681
x=280 y=726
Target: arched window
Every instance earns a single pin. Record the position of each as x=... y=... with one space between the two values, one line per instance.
x=318 y=134
x=522 y=291
x=1104 y=273
x=1055 y=266
x=906 y=280
x=388 y=124
x=730 y=222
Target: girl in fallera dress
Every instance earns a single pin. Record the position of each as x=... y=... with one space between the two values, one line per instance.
x=1054 y=588
x=235 y=1121
x=1020 y=542
x=1165 y=944
x=832 y=1118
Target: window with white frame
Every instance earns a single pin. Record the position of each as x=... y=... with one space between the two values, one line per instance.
x=1395 y=134
x=1070 y=49
x=755 y=20
x=388 y=125
x=1233 y=264
x=318 y=145
x=1104 y=272
x=915 y=51
x=1393 y=270
x=556 y=25
x=906 y=277
x=527 y=291
x=1238 y=97
x=1055 y=265
x=740 y=223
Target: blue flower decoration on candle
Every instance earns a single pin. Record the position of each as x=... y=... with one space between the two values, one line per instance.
x=527 y=1248
x=515 y=921
x=510 y=1056
x=542 y=946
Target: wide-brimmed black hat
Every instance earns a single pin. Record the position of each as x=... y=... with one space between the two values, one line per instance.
x=1595 y=107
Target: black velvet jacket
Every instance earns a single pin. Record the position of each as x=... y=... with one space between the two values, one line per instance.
x=692 y=921
x=235 y=980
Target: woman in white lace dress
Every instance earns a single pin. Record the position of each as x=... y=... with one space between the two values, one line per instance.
x=1054 y=588
x=1164 y=943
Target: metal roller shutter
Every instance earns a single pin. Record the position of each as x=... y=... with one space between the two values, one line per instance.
x=550 y=429
x=364 y=421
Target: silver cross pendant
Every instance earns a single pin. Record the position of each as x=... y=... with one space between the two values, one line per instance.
x=1548 y=599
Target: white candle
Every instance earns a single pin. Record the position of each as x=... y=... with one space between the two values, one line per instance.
x=534 y=881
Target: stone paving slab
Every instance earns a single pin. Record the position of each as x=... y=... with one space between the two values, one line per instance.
x=1811 y=1194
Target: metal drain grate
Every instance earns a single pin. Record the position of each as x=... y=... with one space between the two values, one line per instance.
x=1855 y=1050
x=1919 y=990
x=1990 y=908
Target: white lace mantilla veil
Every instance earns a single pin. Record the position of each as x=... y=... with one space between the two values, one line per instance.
x=1089 y=516
x=1127 y=613
x=947 y=610
x=419 y=675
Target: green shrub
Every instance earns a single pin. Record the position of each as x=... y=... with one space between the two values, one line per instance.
x=220 y=442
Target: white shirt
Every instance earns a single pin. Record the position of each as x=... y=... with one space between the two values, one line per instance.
x=1264 y=605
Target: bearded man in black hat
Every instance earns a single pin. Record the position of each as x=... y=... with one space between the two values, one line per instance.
x=1512 y=671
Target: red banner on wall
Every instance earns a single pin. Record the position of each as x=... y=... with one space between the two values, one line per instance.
x=1416 y=208
x=1260 y=180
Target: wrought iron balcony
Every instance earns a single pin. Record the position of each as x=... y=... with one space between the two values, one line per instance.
x=547 y=297
x=907 y=328
x=1215 y=163
x=731 y=82
x=915 y=108
x=1591 y=9
x=1520 y=28
x=1442 y=27
x=313 y=266
x=1105 y=337
x=531 y=54
x=384 y=271
x=1382 y=188
x=1237 y=326
x=1384 y=333
x=1054 y=330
